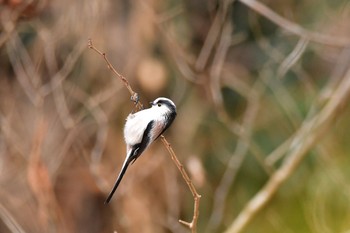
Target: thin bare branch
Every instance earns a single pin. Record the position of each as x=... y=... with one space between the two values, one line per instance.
x=236 y=160
x=64 y=72
x=9 y=19
x=273 y=52
x=295 y=28
x=283 y=97
x=218 y=62
x=100 y=117
x=15 y=51
x=10 y=221
x=292 y=58
x=134 y=95
x=58 y=77
x=193 y=224
x=212 y=36
x=209 y=42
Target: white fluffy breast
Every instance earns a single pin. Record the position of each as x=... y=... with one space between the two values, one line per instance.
x=136 y=125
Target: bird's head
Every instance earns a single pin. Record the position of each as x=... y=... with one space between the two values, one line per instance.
x=164 y=104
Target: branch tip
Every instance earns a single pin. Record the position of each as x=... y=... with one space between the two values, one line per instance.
x=188 y=224
x=90 y=43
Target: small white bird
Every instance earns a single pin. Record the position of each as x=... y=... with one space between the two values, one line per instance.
x=141 y=129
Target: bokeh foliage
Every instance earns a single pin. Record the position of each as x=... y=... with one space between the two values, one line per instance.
x=243 y=85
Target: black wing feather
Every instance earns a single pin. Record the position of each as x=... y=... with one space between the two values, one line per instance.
x=136 y=151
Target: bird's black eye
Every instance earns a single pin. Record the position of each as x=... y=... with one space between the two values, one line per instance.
x=159 y=105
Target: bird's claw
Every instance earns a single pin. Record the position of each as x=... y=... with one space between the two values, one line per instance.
x=135 y=98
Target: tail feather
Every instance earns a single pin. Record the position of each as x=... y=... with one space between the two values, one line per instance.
x=120 y=177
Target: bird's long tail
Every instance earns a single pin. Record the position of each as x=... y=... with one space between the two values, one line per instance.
x=120 y=177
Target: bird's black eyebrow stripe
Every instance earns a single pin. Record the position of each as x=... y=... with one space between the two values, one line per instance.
x=163 y=101
x=168 y=103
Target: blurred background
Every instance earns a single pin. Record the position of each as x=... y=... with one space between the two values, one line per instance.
x=262 y=129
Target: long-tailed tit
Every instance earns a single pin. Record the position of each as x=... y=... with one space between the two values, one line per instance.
x=141 y=129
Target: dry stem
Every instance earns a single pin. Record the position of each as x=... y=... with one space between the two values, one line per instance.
x=134 y=97
x=193 y=224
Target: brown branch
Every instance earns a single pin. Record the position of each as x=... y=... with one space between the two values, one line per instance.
x=193 y=224
x=16 y=51
x=213 y=34
x=134 y=97
x=59 y=97
x=235 y=163
x=9 y=20
x=292 y=58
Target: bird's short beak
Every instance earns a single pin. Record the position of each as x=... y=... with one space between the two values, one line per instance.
x=151 y=103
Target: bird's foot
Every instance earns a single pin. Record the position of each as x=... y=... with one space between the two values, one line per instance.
x=135 y=98
x=137 y=105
